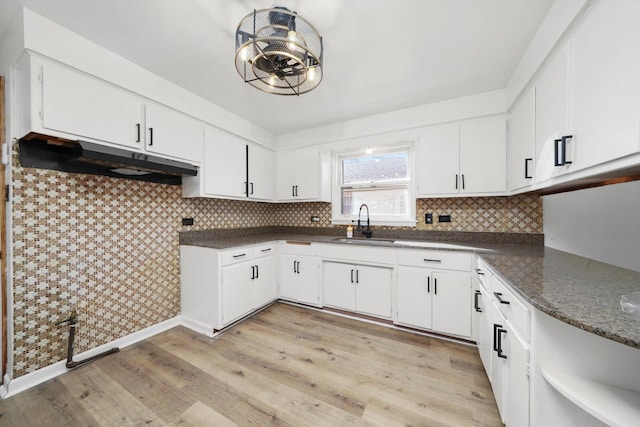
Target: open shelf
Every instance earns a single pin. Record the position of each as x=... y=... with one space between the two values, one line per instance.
x=612 y=405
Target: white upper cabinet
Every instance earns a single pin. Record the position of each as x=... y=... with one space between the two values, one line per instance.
x=82 y=105
x=605 y=83
x=172 y=133
x=465 y=158
x=233 y=168
x=521 y=143
x=59 y=101
x=299 y=175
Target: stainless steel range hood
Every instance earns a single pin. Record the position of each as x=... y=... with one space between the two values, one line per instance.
x=41 y=151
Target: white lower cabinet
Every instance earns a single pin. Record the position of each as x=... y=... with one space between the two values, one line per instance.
x=434 y=291
x=299 y=273
x=359 y=288
x=219 y=287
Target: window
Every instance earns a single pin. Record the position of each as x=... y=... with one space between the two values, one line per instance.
x=381 y=180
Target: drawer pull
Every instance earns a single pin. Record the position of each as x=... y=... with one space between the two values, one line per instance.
x=432 y=260
x=501 y=330
x=479 y=272
x=499 y=298
x=239 y=256
x=266 y=250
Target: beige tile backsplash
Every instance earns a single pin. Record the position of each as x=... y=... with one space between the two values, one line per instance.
x=109 y=248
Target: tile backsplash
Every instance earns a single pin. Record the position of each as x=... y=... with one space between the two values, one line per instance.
x=109 y=248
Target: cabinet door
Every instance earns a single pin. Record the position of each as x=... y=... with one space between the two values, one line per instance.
x=414 y=296
x=339 y=285
x=288 y=276
x=82 y=105
x=498 y=364
x=605 y=83
x=373 y=291
x=517 y=379
x=286 y=175
x=172 y=133
x=307 y=166
x=452 y=303
x=521 y=143
x=261 y=175
x=438 y=160
x=225 y=164
x=237 y=290
x=551 y=114
x=265 y=287
x=484 y=337
x=483 y=156
x=308 y=280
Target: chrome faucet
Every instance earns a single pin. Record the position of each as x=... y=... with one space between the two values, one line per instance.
x=366 y=230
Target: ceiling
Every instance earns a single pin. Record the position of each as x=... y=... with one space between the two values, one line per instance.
x=380 y=55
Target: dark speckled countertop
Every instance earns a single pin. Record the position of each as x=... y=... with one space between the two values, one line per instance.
x=576 y=290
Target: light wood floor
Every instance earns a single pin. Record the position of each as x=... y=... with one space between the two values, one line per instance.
x=286 y=366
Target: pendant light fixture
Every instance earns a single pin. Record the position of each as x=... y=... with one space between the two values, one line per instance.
x=279 y=52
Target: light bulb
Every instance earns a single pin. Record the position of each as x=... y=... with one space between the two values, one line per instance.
x=312 y=73
x=272 y=80
x=369 y=150
x=244 y=53
x=292 y=37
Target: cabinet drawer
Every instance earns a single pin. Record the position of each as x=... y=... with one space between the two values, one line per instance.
x=484 y=275
x=298 y=248
x=447 y=260
x=516 y=312
x=235 y=255
x=264 y=250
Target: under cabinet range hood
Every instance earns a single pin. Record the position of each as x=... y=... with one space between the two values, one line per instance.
x=40 y=151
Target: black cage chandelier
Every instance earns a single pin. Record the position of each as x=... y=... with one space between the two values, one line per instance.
x=279 y=52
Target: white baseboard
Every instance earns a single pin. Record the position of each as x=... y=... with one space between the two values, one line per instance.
x=15 y=386
x=197 y=326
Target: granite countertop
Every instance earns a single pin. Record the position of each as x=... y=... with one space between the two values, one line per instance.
x=576 y=290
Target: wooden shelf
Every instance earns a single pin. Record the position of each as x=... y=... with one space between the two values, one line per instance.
x=612 y=405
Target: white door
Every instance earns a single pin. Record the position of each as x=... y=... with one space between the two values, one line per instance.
x=373 y=291
x=517 y=379
x=452 y=302
x=307 y=166
x=265 y=287
x=414 y=296
x=308 y=280
x=483 y=155
x=288 y=276
x=237 y=291
x=438 y=160
x=225 y=168
x=498 y=358
x=605 y=83
x=261 y=172
x=82 y=105
x=286 y=174
x=339 y=285
x=172 y=133
x=521 y=142
x=551 y=114
x=484 y=338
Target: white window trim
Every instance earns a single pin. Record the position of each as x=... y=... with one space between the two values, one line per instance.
x=338 y=218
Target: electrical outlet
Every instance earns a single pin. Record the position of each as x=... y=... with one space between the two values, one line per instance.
x=428 y=218
x=315 y=218
x=444 y=218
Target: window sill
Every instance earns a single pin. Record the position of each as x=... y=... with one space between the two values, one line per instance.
x=375 y=223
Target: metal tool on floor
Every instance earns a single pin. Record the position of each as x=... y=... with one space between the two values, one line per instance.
x=72 y=321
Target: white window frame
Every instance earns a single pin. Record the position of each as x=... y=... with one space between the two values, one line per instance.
x=376 y=220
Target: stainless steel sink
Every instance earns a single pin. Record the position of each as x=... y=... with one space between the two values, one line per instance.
x=364 y=242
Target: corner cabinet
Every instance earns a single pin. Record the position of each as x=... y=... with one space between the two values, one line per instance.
x=219 y=287
x=57 y=100
x=465 y=158
x=233 y=168
x=521 y=143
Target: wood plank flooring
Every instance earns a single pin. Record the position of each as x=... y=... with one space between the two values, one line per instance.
x=286 y=366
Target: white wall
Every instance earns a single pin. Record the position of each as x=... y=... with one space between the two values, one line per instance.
x=602 y=223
